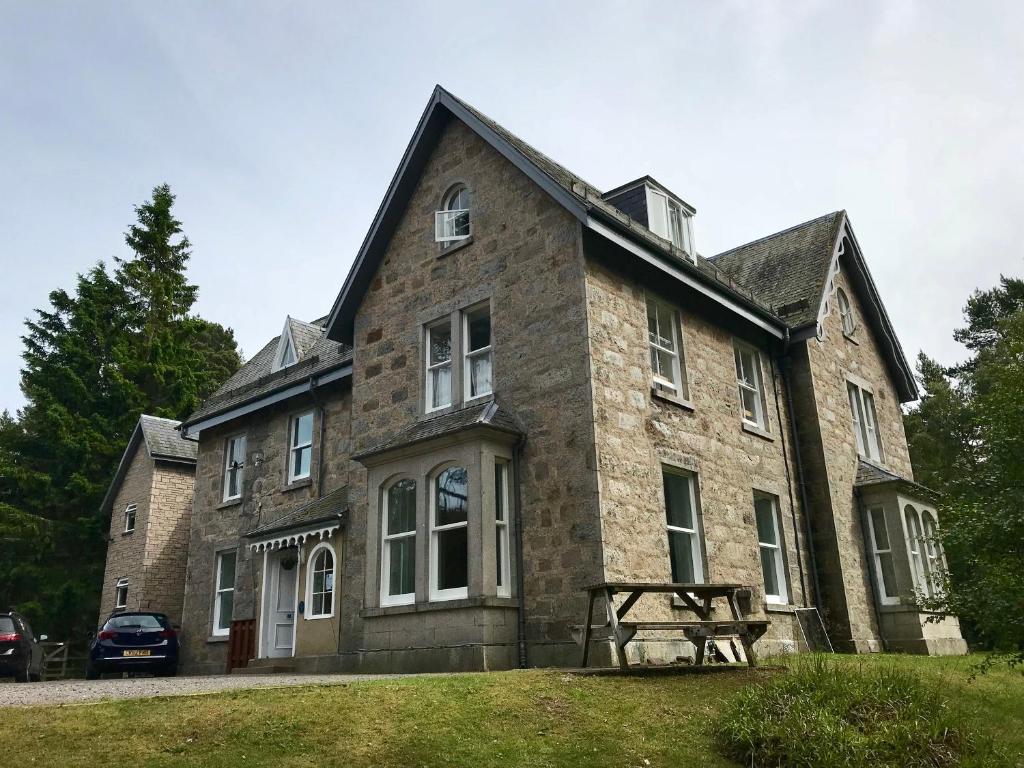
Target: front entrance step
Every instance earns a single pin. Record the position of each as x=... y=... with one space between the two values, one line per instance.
x=266 y=667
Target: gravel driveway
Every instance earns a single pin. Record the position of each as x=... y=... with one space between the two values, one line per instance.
x=78 y=691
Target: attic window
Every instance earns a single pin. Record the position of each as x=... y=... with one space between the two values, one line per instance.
x=668 y=219
x=451 y=223
x=286 y=354
x=846 y=312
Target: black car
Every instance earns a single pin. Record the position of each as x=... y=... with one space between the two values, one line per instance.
x=138 y=641
x=21 y=656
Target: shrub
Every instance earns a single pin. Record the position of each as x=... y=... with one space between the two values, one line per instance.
x=823 y=713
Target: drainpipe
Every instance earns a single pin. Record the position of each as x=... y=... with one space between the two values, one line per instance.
x=517 y=458
x=808 y=533
x=789 y=483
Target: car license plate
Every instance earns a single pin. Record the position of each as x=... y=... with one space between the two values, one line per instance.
x=137 y=653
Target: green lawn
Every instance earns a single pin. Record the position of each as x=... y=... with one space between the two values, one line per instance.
x=527 y=718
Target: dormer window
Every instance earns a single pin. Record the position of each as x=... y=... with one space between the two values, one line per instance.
x=451 y=223
x=286 y=354
x=669 y=219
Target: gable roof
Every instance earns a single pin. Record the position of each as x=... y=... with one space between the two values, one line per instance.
x=256 y=383
x=581 y=199
x=162 y=441
x=793 y=272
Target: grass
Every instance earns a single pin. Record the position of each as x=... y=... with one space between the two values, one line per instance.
x=523 y=718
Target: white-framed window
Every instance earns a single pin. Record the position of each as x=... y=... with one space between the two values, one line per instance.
x=751 y=385
x=398 y=544
x=932 y=552
x=452 y=222
x=449 y=535
x=667 y=219
x=502 y=552
x=300 y=450
x=685 y=549
x=914 y=549
x=664 y=337
x=476 y=335
x=234 y=467
x=865 y=422
x=320 y=582
x=129 y=518
x=121 y=593
x=224 y=592
x=439 y=365
x=286 y=354
x=769 y=543
x=881 y=553
x=846 y=317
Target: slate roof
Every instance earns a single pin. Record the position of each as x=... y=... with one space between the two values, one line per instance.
x=317 y=354
x=787 y=270
x=327 y=507
x=489 y=415
x=164 y=440
x=870 y=475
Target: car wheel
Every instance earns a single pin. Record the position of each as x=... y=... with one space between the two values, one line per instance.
x=91 y=673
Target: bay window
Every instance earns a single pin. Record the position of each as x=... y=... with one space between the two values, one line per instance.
x=501 y=538
x=398 y=554
x=881 y=553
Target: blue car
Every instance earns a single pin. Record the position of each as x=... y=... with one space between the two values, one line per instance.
x=137 y=641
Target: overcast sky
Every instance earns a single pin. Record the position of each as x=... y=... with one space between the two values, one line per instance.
x=279 y=126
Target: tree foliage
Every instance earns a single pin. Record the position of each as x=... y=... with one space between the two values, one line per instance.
x=967 y=440
x=117 y=345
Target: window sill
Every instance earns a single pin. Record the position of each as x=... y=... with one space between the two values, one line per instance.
x=229 y=503
x=218 y=638
x=127 y=533
x=757 y=432
x=318 y=618
x=297 y=484
x=779 y=608
x=442 y=605
x=661 y=394
x=456 y=246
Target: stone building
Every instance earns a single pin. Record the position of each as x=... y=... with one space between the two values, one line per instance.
x=150 y=505
x=527 y=385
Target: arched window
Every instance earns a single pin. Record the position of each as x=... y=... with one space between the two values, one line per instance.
x=932 y=551
x=398 y=542
x=845 y=312
x=449 y=539
x=451 y=223
x=320 y=583
x=914 y=542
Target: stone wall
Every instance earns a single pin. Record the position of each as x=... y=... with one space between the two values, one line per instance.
x=638 y=432
x=525 y=258
x=167 y=534
x=126 y=551
x=827 y=438
x=217 y=525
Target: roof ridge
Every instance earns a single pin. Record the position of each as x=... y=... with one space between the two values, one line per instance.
x=787 y=230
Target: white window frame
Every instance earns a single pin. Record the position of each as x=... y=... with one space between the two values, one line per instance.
x=219 y=592
x=678 y=385
x=934 y=564
x=846 y=316
x=453 y=593
x=431 y=368
x=757 y=388
x=294 y=447
x=444 y=227
x=130 y=515
x=406 y=598
x=777 y=551
x=502 y=537
x=121 y=593
x=865 y=422
x=311 y=571
x=469 y=355
x=231 y=464
x=877 y=553
x=694 y=534
x=915 y=543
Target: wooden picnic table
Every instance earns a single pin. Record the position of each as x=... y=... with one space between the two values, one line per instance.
x=698 y=598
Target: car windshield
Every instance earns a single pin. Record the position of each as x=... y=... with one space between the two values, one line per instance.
x=6 y=624
x=133 y=621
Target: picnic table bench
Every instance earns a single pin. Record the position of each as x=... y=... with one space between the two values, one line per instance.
x=696 y=597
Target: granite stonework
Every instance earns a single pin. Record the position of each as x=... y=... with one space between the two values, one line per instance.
x=153 y=555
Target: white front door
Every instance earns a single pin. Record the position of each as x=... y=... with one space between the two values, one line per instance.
x=279 y=602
